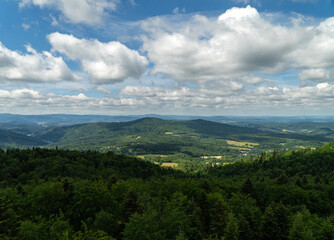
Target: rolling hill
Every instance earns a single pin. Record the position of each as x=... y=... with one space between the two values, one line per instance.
x=191 y=137
x=165 y=140
x=13 y=139
x=305 y=128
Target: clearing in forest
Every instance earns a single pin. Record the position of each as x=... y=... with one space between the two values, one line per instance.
x=241 y=144
x=169 y=165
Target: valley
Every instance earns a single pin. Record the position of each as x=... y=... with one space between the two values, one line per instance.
x=189 y=144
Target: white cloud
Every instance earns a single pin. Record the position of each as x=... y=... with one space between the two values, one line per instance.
x=25 y=26
x=30 y=101
x=315 y=74
x=103 y=90
x=322 y=85
x=218 y=100
x=177 y=10
x=104 y=62
x=77 y=11
x=222 y=55
x=252 y=79
x=239 y=14
x=177 y=100
x=32 y=66
x=318 y=49
x=238 y=43
x=20 y=94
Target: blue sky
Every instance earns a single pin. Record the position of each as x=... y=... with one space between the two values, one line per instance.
x=194 y=57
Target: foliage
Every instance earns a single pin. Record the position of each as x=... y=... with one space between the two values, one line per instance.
x=64 y=195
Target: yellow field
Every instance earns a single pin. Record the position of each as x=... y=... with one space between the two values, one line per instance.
x=169 y=133
x=156 y=155
x=169 y=165
x=216 y=157
x=241 y=144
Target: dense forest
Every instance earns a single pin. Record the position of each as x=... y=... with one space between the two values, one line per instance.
x=63 y=194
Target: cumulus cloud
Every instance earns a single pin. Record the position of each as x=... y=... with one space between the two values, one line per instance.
x=104 y=62
x=77 y=11
x=32 y=66
x=316 y=75
x=318 y=50
x=239 y=42
x=20 y=94
x=236 y=45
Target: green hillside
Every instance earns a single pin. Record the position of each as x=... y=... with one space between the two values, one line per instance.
x=12 y=139
x=305 y=128
x=190 y=144
x=167 y=140
x=22 y=166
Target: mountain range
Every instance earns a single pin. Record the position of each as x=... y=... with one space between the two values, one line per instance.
x=157 y=136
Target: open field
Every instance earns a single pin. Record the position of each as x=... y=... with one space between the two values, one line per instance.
x=241 y=144
x=169 y=165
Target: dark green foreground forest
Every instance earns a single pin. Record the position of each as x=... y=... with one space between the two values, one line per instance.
x=62 y=194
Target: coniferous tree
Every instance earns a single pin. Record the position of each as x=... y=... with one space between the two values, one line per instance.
x=275 y=222
x=232 y=229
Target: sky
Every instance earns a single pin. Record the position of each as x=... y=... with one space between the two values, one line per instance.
x=175 y=57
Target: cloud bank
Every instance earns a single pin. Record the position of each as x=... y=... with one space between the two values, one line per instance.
x=262 y=100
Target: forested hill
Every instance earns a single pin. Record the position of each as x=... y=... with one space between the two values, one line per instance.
x=12 y=139
x=156 y=136
x=60 y=195
x=21 y=166
x=155 y=126
x=152 y=126
x=317 y=162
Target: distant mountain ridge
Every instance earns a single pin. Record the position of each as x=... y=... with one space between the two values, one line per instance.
x=12 y=139
x=148 y=135
x=158 y=136
x=71 y=119
x=147 y=125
